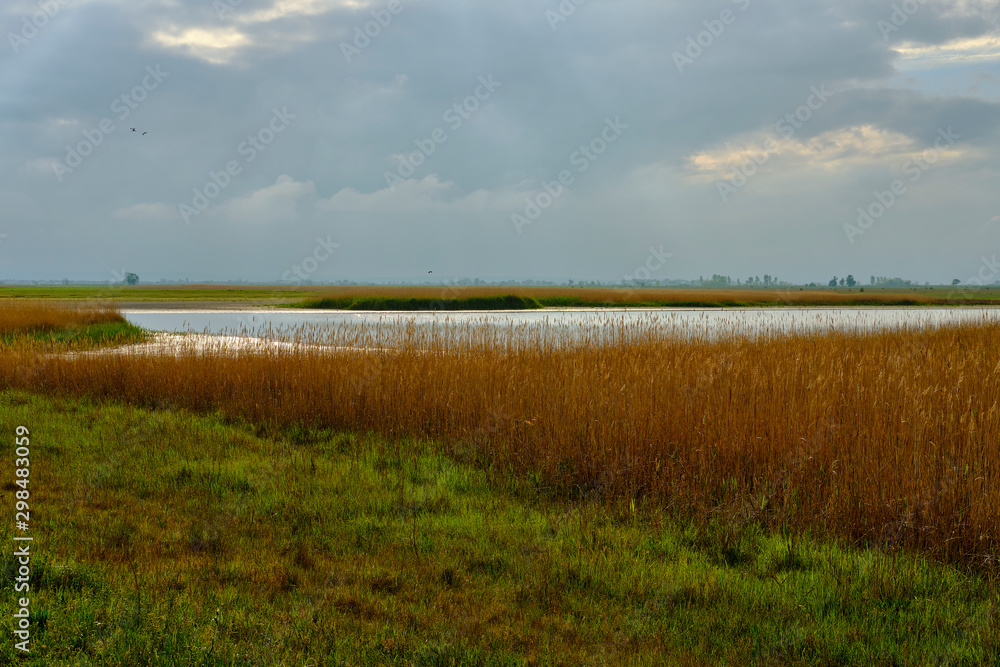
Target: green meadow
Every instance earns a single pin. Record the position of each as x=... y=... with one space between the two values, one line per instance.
x=163 y=537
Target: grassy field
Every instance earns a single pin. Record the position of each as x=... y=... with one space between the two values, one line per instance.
x=387 y=303
x=112 y=293
x=166 y=538
x=507 y=496
x=569 y=297
x=366 y=297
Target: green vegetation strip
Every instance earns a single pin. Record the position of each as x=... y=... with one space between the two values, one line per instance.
x=92 y=335
x=113 y=293
x=776 y=301
x=512 y=302
x=163 y=538
x=506 y=302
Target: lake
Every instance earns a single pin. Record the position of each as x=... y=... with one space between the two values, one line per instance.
x=292 y=323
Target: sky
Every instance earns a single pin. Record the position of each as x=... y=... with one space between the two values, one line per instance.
x=329 y=140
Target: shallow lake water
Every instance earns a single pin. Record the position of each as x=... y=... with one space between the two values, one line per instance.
x=682 y=322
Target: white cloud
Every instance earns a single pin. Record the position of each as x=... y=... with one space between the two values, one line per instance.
x=982 y=50
x=429 y=193
x=286 y=8
x=837 y=150
x=275 y=203
x=264 y=28
x=215 y=45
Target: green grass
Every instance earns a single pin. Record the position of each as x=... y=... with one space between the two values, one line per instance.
x=165 y=538
x=141 y=293
x=506 y=302
x=499 y=303
x=92 y=335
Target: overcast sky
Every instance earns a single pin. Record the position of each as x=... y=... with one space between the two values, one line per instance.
x=379 y=140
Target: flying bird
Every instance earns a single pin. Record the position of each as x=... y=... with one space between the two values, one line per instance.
x=132 y=128
x=145 y=133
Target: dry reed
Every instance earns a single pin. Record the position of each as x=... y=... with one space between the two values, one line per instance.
x=886 y=436
x=19 y=316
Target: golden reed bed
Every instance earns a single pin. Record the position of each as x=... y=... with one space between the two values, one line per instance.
x=27 y=316
x=891 y=437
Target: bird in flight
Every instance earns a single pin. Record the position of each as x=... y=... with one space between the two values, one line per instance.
x=132 y=128
x=145 y=133
x=430 y=272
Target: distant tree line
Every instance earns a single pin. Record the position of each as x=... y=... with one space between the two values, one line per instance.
x=718 y=280
x=874 y=281
x=882 y=281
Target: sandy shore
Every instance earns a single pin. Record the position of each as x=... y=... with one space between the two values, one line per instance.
x=171 y=344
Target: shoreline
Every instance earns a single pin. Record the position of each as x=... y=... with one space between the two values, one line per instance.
x=176 y=344
x=232 y=309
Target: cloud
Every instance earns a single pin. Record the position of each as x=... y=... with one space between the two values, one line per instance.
x=655 y=185
x=41 y=165
x=990 y=225
x=837 y=150
x=280 y=26
x=155 y=211
x=275 y=203
x=982 y=50
x=280 y=9
x=214 y=45
x=426 y=194
x=16 y=203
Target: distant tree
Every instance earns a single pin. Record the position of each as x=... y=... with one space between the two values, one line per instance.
x=883 y=281
x=767 y=280
x=717 y=280
x=833 y=282
x=841 y=282
x=956 y=281
x=873 y=281
x=131 y=279
x=851 y=282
